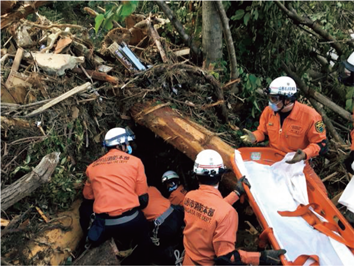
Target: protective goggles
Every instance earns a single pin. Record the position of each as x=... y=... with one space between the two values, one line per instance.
x=274 y=98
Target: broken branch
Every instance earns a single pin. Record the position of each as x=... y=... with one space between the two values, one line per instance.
x=29 y=182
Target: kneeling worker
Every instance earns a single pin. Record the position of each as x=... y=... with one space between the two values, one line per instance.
x=117 y=185
x=166 y=222
x=212 y=223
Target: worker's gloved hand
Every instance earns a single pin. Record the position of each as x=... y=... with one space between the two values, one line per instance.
x=349 y=161
x=299 y=156
x=239 y=187
x=249 y=137
x=271 y=257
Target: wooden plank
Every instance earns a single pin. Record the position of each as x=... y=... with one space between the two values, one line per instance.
x=60 y=98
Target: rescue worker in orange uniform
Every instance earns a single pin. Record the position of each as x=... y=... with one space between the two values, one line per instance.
x=347 y=78
x=212 y=223
x=117 y=185
x=290 y=125
x=166 y=225
x=176 y=190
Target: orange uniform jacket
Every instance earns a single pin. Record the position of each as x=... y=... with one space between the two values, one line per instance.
x=302 y=129
x=115 y=181
x=157 y=205
x=177 y=196
x=211 y=226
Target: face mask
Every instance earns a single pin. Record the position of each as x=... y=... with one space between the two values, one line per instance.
x=129 y=149
x=273 y=106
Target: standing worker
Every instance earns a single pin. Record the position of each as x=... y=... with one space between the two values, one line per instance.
x=290 y=125
x=347 y=198
x=175 y=189
x=212 y=223
x=117 y=184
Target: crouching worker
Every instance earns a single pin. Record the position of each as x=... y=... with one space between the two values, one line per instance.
x=212 y=223
x=117 y=187
x=166 y=222
x=174 y=187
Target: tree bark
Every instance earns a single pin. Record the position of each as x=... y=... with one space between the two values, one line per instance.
x=212 y=34
x=185 y=135
x=171 y=16
x=30 y=182
x=104 y=254
x=229 y=43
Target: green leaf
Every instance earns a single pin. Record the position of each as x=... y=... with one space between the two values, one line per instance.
x=108 y=24
x=128 y=8
x=255 y=14
x=238 y=15
x=349 y=104
x=98 y=20
x=28 y=159
x=246 y=18
x=63 y=161
x=253 y=80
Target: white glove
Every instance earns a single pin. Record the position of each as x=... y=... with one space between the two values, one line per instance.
x=353 y=165
x=249 y=137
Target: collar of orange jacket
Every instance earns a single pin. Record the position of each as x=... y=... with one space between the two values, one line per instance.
x=294 y=112
x=210 y=189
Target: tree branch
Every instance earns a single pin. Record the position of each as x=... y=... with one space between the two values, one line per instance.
x=317 y=96
x=229 y=41
x=313 y=25
x=171 y=16
x=318 y=108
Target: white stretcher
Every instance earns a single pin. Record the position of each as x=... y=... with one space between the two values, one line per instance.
x=280 y=187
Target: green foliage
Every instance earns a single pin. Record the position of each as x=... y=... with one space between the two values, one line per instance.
x=60 y=191
x=114 y=12
x=349 y=99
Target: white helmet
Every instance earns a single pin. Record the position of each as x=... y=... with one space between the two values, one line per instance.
x=283 y=86
x=349 y=64
x=208 y=162
x=169 y=175
x=117 y=136
x=346 y=71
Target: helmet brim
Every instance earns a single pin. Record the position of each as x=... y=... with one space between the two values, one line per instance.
x=348 y=66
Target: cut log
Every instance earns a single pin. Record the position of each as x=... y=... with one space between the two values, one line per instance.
x=185 y=135
x=30 y=182
x=101 y=255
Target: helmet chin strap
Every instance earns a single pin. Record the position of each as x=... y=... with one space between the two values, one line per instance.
x=285 y=106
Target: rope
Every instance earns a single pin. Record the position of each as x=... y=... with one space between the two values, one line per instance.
x=179 y=257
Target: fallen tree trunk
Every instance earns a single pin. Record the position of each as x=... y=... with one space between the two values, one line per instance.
x=104 y=254
x=58 y=244
x=30 y=182
x=185 y=135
